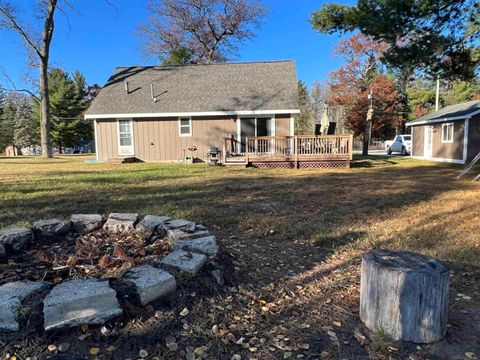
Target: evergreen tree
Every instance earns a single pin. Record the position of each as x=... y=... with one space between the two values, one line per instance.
x=7 y=121
x=305 y=121
x=85 y=128
x=23 y=135
x=67 y=104
x=439 y=37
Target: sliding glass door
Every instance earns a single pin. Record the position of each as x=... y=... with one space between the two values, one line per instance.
x=253 y=127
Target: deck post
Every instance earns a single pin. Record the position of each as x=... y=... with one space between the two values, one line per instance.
x=224 y=151
x=295 y=149
x=350 y=147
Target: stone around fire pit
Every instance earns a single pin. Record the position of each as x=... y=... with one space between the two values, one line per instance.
x=16 y=239
x=184 y=261
x=11 y=297
x=151 y=283
x=85 y=223
x=51 y=228
x=78 y=302
x=184 y=225
x=206 y=245
x=178 y=234
x=120 y=223
x=150 y=223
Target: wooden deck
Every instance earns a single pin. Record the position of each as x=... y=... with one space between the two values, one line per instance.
x=295 y=152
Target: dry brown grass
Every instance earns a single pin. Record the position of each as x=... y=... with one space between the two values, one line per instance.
x=296 y=238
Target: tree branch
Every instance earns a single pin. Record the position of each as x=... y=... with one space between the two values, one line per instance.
x=7 y=13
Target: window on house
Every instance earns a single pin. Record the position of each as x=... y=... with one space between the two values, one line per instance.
x=125 y=132
x=185 y=126
x=447 y=133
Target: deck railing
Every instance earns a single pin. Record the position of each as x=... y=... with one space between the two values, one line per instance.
x=290 y=147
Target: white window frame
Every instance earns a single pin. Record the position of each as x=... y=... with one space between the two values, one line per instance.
x=446 y=126
x=180 y=126
x=132 y=135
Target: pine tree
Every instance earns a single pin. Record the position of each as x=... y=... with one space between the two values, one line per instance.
x=305 y=121
x=23 y=135
x=85 y=128
x=7 y=121
x=2 y=107
x=67 y=104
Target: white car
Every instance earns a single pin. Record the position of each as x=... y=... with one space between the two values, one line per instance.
x=401 y=144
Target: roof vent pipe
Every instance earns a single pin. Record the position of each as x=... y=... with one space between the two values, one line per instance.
x=127 y=90
x=153 y=93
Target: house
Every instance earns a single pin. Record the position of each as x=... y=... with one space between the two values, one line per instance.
x=451 y=134
x=169 y=113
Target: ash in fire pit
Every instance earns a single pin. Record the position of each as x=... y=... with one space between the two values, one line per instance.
x=78 y=259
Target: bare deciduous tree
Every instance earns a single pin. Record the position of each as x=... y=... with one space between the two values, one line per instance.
x=38 y=44
x=212 y=30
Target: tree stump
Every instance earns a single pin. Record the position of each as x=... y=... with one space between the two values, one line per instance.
x=404 y=295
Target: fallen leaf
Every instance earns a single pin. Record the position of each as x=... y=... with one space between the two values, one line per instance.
x=337 y=323
x=94 y=351
x=169 y=340
x=172 y=346
x=143 y=353
x=104 y=261
x=119 y=252
x=184 y=312
x=199 y=350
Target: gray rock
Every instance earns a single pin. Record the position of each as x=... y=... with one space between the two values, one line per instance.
x=85 y=223
x=150 y=223
x=51 y=228
x=11 y=296
x=151 y=283
x=184 y=225
x=17 y=238
x=119 y=223
x=206 y=245
x=200 y=227
x=78 y=302
x=178 y=234
x=184 y=261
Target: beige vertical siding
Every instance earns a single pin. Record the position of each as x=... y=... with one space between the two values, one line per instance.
x=473 y=137
x=107 y=139
x=282 y=125
x=158 y=139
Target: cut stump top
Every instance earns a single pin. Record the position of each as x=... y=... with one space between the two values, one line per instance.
x=405 y=261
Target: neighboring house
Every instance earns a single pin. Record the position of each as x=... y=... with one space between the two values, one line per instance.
x=159 y=113
x=12 y=151
x=451 y=134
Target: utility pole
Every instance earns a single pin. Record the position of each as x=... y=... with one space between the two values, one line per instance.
x=437 y=94
x=368 y=125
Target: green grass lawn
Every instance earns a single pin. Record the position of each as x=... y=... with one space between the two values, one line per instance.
x=295 y=236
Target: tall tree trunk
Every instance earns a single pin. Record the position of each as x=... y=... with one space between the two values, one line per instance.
x=45 y=111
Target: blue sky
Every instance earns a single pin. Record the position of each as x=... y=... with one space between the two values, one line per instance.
x=100 y=38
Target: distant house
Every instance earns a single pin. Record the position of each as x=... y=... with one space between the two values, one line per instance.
x=163 y=113
x=451 y=134
x=12 y=151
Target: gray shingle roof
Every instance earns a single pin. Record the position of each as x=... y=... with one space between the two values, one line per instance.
x=458 y=111
x=199 y=88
